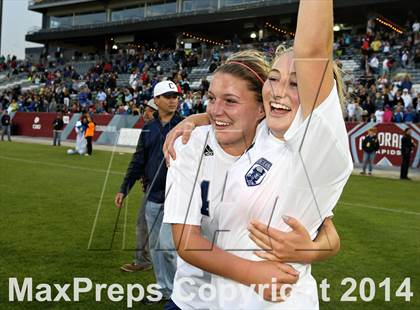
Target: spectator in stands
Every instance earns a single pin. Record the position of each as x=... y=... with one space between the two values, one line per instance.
x=351 y=109
x=376 y=45
x=12 y=106
x=385 y=68
x=83 y=98
x=185 y=110
x=405 y=56
x=58 y=126
x=134 y=79
x=127 y=95
x=148 y=161
x=387 y=115
x=398 y=100
x=90 y=131
x=101 y=99
x=416 y=32
x=386 y=48
x=6 y=122
x=369 y=106
x=379 y=116
x=416 y=104
x=416 y=26
x=378 y=103
x=407 y=146
x=406 y=97
x=410 y=115
x=406 y=83
x=358 y=112
x=374 y=64
x=370 y=146
x=398 y=115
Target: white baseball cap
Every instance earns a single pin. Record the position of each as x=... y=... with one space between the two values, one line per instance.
x=165 y=88
x=151 y=103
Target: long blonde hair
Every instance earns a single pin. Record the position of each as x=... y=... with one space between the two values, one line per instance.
x=338 y=73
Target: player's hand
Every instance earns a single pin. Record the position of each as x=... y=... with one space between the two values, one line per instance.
x=276 y=245
x=183 y=129
x=276 y=276
x=119 y=199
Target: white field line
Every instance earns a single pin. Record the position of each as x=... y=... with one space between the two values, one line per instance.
x=379 y=208
x=58 y=165
x=102 y=195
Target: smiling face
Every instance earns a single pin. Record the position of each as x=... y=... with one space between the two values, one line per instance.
x=234 y=112
x=280 y=95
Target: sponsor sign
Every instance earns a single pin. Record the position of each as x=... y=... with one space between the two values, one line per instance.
x=389 y=136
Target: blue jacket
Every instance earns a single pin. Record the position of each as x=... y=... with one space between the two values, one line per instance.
x=148 y=162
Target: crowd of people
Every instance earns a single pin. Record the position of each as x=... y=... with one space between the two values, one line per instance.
x=383 y=93
x=62 y=88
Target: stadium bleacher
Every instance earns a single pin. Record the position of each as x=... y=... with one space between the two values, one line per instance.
x=23 y=80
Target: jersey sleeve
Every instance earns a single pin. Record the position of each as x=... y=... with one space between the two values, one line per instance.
x=321 y=164
x=183 y=193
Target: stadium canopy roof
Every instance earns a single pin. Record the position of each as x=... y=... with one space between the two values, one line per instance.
x=236 y=19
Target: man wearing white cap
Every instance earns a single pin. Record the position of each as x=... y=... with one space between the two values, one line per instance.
x=148 y=163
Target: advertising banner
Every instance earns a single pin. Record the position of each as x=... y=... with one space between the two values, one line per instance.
x=108 y=131
x=35 y=124
x=389 y=136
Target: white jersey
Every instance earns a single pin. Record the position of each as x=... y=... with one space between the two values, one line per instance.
x=297 y=177
x=195 y=183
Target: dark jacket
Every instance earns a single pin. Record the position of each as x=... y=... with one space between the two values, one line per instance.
x=370 y=144
x=5 y=120
x=148 y=159
x=406 y=145
x=58 y=124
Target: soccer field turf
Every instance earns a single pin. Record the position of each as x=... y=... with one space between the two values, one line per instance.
x=49 y=201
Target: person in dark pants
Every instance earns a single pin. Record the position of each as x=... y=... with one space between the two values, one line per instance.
x=5 y=123
x=58 y=126
x=148 y=163
x=369 y=145
x=406 y=148
x=142 y=260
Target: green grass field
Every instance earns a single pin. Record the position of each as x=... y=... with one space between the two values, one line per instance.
x=49 y=201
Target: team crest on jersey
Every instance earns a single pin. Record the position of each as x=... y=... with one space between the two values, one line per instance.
x=257 y=172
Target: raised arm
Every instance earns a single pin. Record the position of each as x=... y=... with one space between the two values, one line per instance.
x=313 y=46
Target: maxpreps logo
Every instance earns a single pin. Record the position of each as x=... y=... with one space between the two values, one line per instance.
x=36 y=125
x=257 y=172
